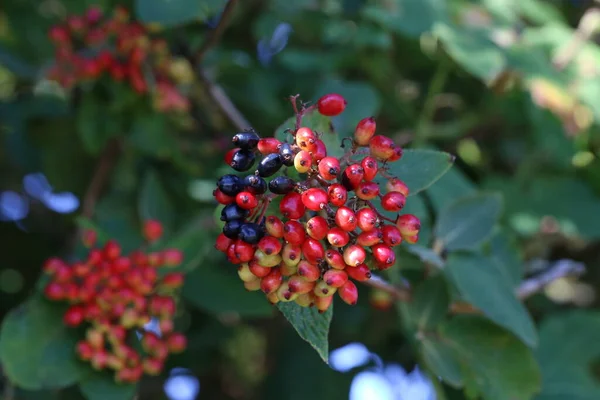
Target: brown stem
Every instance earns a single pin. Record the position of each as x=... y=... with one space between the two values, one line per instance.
x=224 y=102
x=107 y=161
x=381 y=216
x=217 y=32
x=398 y=293
x=299 y=113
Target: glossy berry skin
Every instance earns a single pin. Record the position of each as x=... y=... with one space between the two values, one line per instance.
x=384 y=256
x=291 y=254
x=291 y=206
x=303 y=161
x=314 y=199
x=282 y=185
x=354 y=255
x=233 y=212
x=152 y=230
x=232 y=229
x=255 y=184
x=370 y=168
x=251 y=233
x=352 y=176
x=338 y=237
x=246 y=200
x=269 y=165
x=230 y=185
x=317 y=227
x=270 y=245
x=365 y=129
x=369 y=238
x=222 y=243
x=74 y=316
x=367 y=190
x=319 y=152
x=382 y=147
x=398 y=152
x=246 y=140
x=337 y=194
x=268 y=146
x=287 y=154
x=408 y=224
x=348 y=293
x=367 y=219
x=360 y=273
x=242 y=160
x=305 y=139
x=222 y=198
x=229 y=155
x=391 y=235
x=308 y=271
x=313 y=251
x=274 y=226
x=396 y=185
x=335 y=278
x=335 y=259
x=329 y=168
x=393 y=201
x=345 y=219
x=331 y=104
x=293 y=232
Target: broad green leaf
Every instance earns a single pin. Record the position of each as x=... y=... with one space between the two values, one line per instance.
x=95 y=127
x=312 y=326
x=151 y=135
x=449 y=188
x=36 y=349
x=442 y=361
x=154 y=201
x=568 y=347
x=216 y=288
x=420 y=169
x=429 y=305
x=468 y=221
x=425 y=254
x=102 y=386
x=506 y=253
x=480 y=282
x=409 y=17
x=473 y=50
x=495 y=363
x=176 y=12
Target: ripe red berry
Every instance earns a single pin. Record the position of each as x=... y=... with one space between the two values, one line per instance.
x=271 y=282
x=366 y=219
x=305 y=139
x=391 y=235
x=308 y=271
x=382 y=147
x=274 y=226
x=258 y=270
x=354 y=255
x=370 y=168
x=222 y=198
x=367 y=190
x=270 y=245
x=335 y=278
x=317 y=227
x=345 y=219
x=299 y=284
x=359 y=273
x=369 y=238
x=54 y=291
x=411 y=239
x=397 y=154
x=331 y=104
x=322 y=303
x=335 y=259
x=349 y=293
x=352 y=176
x=365 y=129
x=152 y=230
x=313 y=251
x=303 y=161
x=74 y=316
x=172 y=257
x=112 y=250
x=322 y=289
x=176 y=342
x=393 y=201
x=246 y=200
x=293 y=232
x=268 y=146
x=222 y=243
x=229 y=155
x=319 y=152
x=292 y=206
x=408 y=224
x=329 y=168
x=291 y=254
x=396 y=185
x=314 y=199
x=337 y=194
x=383 y=255
x=338 y=237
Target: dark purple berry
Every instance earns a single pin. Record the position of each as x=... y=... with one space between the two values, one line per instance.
x=287 y=154
x=269 y=165
x=282 y=185
x=246 y=140
x=232 y=229
x=255 y=184
x=230 y=184
x=242 y=160
x=233 y=212
x=251 y=233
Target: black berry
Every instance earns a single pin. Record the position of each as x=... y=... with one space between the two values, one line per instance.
x=255 y=184
x=233 y=212
x=282 y=185
x=232 y=229
x=230 y=184
x=246 y=140
x=242 y=160
x=270 y=165
x=287 y=154
x=251 y=233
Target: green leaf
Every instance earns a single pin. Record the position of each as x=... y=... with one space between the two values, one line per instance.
x=154 y=201
x=36 y=349
x=568 y=346
x=469 y=221
x=506 y=253
x=426 y=255
x=449 y=188
x=176 y=12
x=420 y=169
x=495 y=363
x=94 y=126
x=312 y=326
x=429 y=305
x=482 y=284
x=440 y=358
x=102 y=386
x=150 y=135
x=218 y=289
x=409 y=17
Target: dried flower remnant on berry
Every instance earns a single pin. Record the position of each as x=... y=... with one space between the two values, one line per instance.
x=328 y=226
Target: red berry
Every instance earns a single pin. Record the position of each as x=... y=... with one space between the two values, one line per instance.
x=121 y=265
x=246 y=200
x=322 y=289
x=370 y=168
x=329 y=168
x=53 y=265
x=172 y=257
x=337 y=194
x=338 y=237
x=369 y=238
x=322 y=303
x=397 y=154
x=267 y=146
x=313 y=251
x=396 y=185
x=354 y=255
x=244 y=251
x=349 y=293
x=411 y=239
x=176 y=342
x=271 y=282
x=74 y=316
x=391 y=235
x=365 y=129
x=293 y=232
x=317 y=227
x=270 y=245
x=305 y=139
x=173 y=280
x=335 y=278
x=291 y=254
x=308 y=271
x=382 y=147
x=384 y=256
x=367 y=190
x=258 y=270
x=59 y=34
x=222 y=243
x=331 y=104
x=303 y=161
x=292 y=206
x=84 y=350
x=409 y=225
x=345 y=219
x=352 y=176
x=393 y=201
x=319 y=152
x=314 y=199
x=366 y=219
x=359 y=273
x=152 y=230
x=274 y=226
x=335 y=259
x=54 y=291
x=298 y=284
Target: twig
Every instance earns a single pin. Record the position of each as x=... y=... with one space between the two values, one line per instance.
x=217 y=32
x=398 y=293
x=588 y=24
x=107 y=160
x=224 y=102
x=429 y=105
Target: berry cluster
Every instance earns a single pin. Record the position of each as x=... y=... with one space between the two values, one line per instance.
x=116 y=296
x=91 y=46
x=328 y=229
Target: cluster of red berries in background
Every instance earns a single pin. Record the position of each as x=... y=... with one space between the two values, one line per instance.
x=115 y=296
x=328 y=227
x=92 y=46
